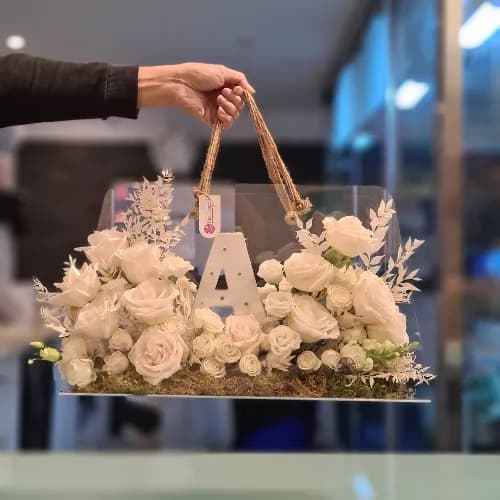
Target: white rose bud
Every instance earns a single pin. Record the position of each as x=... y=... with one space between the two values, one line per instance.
x=271 y=271
x=356 y=334
x=368 y=365
x=120 y=341
x=275 y=362
x=308 y=272
x=278 y=304
x=140 y=262
x=355 y=353
x=330 y=358
x=174 y=266
x=285 y=286
x=78 y=287
x=265 y=290
x=103 y=247
x=348 y=236
x=213 y=368
x=338 y=299
x=74 y=348
x=347 y=320
x=225 y=350
x=307 y=361
x=250 y=365
x=207 y=320
x=283 y=340
x=203 y=346
x=78 y=372
x=116 y=363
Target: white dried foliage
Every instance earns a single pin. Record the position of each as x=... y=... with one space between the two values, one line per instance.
x=148 y=218
x=313 y=243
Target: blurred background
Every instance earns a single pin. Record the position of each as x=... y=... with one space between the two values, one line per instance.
x=396 y=93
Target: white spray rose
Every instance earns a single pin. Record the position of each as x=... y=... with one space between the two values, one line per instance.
x=213 y=368
x=250 y=365
x=338 y=299
x=346 y=277
x=157 y=355
x=285 y=286
x=347 y=320
x=372 y=299
x=152 y=301
x=312 y=320
x=244 y=331
x=275 y=362
x=307 y=361
x=225 y=349
x=116 y=363
x=271 y=271
x=209 y=321
x=97 y=348
x=355 y=334
x=174 y=266
x=355 y=353
x=120 y=341
x=97 y=320
x=330 y=358
x=348 y=236
x=278 y=304
x=308 y=272
x=203 y=346
x=79 y=286
x=74 y=348
x=78 y=372
x=265 y=290
x=103 y=247
x=394 y=330
x=140 y=262
x=283 y=340
x=113 y=290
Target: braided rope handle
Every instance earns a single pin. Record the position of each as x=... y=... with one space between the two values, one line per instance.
x=293 y=204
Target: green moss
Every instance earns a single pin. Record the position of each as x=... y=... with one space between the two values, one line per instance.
x=321 y=384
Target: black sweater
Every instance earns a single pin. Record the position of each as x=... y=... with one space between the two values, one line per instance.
x=33 y=90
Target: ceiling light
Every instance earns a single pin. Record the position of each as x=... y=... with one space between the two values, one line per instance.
x=15 y=42
x=480 y=26
x=409 y=93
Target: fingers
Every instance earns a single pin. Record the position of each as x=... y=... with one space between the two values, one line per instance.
x=226 y=119
x=229 y=104
x=233 y=78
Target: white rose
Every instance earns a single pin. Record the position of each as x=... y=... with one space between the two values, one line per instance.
x=348 y=236
x=203 y=346
x=96 y=348
x=275 y=362
x=278 y=304
x=103 y=247
x=225 y=350
x=250 y=365
x=347 y=320
x=355 y=353
x=271 y=271
x=394 y=330
x=308 y=272
x=285 y=286
x=355 y=334
x=346 y=277
x=74 y=348
x=185 y=299
x=330 y=358
x=283 y=340
x=208 y=320
x=338 y=299
x=312 y=320
x=157 y=355
x=174 y=266
x=265 y=290
x=120 y=341
x=116 y=363
x=307 y=361
x=175 y=325
x=213 y=368
x=112 y=291
x=245 y=332
x=97 y=320
x=79 y=286
x=78 y=372
x=372 y=299
x=140 y=262
x=152 y=301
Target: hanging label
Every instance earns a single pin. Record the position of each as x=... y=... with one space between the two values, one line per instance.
x=209 y=215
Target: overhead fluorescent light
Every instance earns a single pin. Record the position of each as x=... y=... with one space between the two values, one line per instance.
x=409 y=93
x=480 y=26
x=15 y=42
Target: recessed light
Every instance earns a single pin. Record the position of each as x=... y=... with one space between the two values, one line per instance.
x=15 y=42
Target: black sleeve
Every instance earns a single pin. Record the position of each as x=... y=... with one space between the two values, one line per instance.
x=33 y=90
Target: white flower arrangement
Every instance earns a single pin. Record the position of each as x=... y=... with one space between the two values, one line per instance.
x=331 y=309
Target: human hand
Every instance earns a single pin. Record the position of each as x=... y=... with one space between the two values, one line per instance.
x=205 y=91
